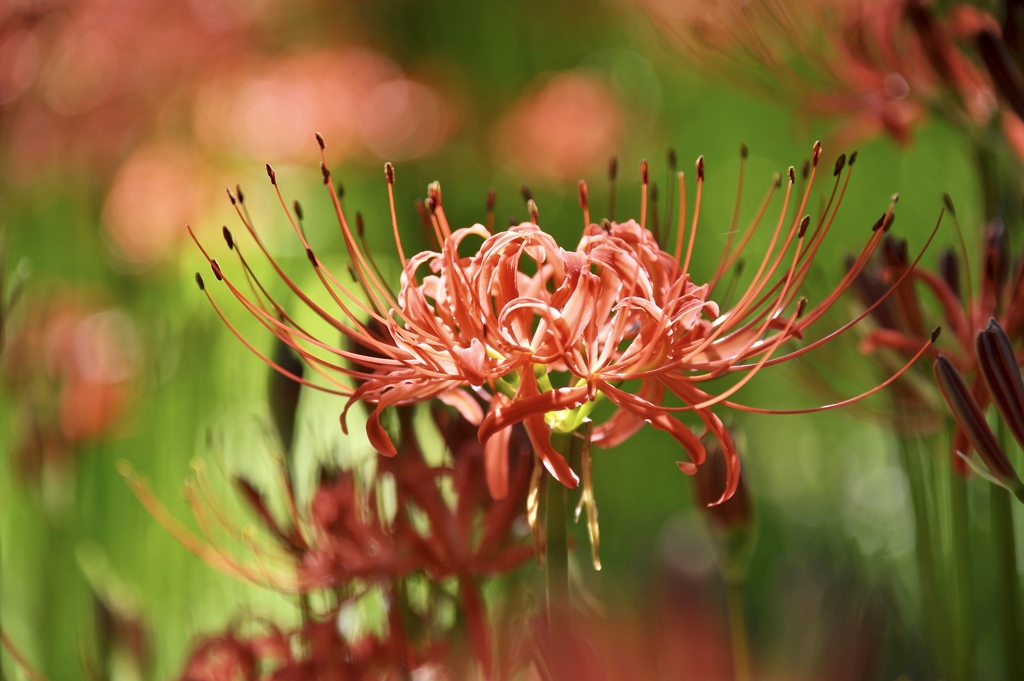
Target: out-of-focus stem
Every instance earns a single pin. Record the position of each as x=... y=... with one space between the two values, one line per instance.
x=556 y=543
x=740 y=644
x=1008 y=579
x=936 y=622
x=963 y=650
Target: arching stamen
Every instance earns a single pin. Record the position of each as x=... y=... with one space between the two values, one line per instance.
x=644 y=181
x=389 y=173
x=613 y=169
x=584 y=204
x=491 y=200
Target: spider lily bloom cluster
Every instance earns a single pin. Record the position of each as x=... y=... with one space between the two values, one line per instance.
x=539 y=334
x=404 y=533
x=901 y=318
x=881 y=65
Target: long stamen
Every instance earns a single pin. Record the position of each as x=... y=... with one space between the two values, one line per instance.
x=389 y=173
x=644 y=181
x=584 y=204
x=613 y=169
x=696 y=213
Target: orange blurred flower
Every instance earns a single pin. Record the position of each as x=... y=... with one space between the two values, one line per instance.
x=71 y=364
x=564 y=130
x=359 y=98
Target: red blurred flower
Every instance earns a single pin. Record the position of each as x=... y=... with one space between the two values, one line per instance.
x=347 y=542
x=70 y=362
x=965 y=313
x=880 y=66
x=359 y=98
x=564 y=130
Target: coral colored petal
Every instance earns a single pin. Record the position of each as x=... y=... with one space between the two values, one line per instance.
x=554 y=462
x=496 y=463
x=465 y=404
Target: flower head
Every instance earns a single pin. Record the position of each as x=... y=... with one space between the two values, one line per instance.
x=967 y=313
x=880 y=66
x=523 y=331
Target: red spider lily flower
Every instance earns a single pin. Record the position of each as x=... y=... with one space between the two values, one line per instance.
x=541 y=334
x=901 y=318
x=345 y=540
x=1004 y=382
x=881 y=66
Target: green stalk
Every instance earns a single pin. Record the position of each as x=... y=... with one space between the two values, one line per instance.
x=737 y=611
x=1007 y=576
x=938 y=632
x=556 y=544
x=1008 y=588
x=963 y=645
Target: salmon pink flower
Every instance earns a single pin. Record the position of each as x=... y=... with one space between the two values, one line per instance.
x=522 y=331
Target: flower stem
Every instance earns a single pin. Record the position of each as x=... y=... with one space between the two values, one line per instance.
x=1007 y=578
x=740 y=644
x=960 y=608
x=914 y=457
x=556 y=563
x=556 y=544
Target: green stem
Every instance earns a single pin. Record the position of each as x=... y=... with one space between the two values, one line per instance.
x=1008 y=589
x=913 y=455
x=740 y=644
x=1007 y=577
x=556 y=544
x=556 y=554
x=963 y=650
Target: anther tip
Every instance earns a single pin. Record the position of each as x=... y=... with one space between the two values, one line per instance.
x=311 y=256
x=230 y=195
x=792 y=174
x=816 y=154
x=272 y=175
x=853 y=159
x=803 y=226
x=327 y=175
x=613 y=167
x=644 y=176
x=199 y=281
x=228 y=238
x=215 y=266
x=320 y=141
x=525 y=191
x=389 y=172
x=298 y=210
x=700 y=167
x=840 y=164
x=935 y=333
x=948 y=201
x=744 y=151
